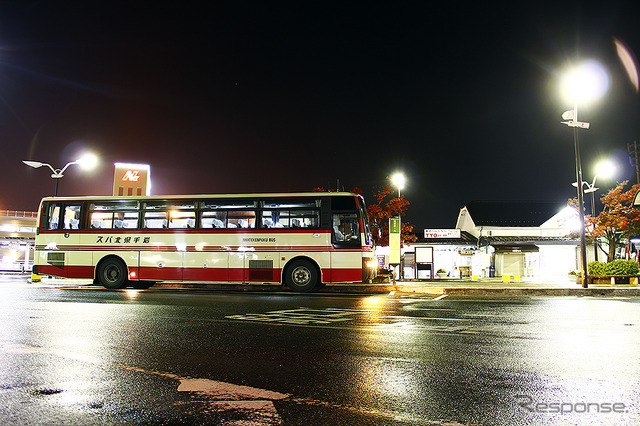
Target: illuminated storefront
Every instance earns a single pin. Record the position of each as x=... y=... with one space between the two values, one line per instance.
x=17 y=236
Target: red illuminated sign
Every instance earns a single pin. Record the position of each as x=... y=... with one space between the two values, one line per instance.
x=131 y=176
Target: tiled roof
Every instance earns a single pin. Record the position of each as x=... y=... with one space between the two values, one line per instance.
x=513 y=213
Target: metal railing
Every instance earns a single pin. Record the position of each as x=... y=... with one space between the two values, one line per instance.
x=17 y=213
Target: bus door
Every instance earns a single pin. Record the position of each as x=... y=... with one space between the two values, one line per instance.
x=346 y=258
x=62 y=255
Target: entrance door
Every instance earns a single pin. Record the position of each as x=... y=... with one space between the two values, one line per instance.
x=513 y=264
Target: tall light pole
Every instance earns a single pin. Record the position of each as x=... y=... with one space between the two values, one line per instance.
x=582 y=83
x=86 y=162
x=398 y=180
x=606 y=169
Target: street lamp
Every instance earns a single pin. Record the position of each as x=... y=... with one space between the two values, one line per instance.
x=605 y=169
x=398 y=180
x=581 y=84
x=86 y=162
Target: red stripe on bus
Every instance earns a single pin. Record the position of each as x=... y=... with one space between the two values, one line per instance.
x=201 y=274
x=67 y=271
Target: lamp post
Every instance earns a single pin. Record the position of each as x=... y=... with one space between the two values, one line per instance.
x=398 y=180
x=606 y=169
x=86 y=162
x=580 y=84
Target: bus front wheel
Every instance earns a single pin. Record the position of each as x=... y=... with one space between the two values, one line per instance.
x=302 y=276
x=112 y=274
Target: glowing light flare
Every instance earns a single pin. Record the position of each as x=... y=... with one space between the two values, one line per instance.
x=629 y=62
x=585 y=82
x=606 y=169
x=398 y=180
x=87 y=161
x=569 y=219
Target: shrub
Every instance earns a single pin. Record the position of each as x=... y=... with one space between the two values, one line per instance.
x=622 y=267
x=596 y=268
x=617 y=267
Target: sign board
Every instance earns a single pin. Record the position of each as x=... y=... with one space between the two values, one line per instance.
x=394 y=241
x=131 y=180
x=442 y=233
x=424 y=254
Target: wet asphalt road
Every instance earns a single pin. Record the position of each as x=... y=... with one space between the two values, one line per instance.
x=90 y=356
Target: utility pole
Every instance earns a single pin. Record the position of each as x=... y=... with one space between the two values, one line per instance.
x=633 y=152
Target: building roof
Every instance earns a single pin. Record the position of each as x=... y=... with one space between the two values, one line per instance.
x=513 y=213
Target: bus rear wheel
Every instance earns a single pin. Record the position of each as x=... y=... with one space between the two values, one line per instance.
x=112 y=274
x=302 y=276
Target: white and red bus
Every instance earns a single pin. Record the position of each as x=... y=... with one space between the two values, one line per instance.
x=301 y=240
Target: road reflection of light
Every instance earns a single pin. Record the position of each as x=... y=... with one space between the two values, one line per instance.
x=587 y=332
x=131 y=293
x=372 y=308
x=580 y=351
x=380 y=374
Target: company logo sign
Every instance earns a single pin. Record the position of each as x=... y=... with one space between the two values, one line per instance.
x=131 y=176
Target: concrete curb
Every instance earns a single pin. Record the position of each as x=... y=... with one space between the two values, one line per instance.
x=469 y=291
x=449 y=289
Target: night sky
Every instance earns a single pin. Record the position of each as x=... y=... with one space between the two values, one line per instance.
x=236 y=96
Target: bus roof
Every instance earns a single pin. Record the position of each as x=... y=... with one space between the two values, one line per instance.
x=202 y=196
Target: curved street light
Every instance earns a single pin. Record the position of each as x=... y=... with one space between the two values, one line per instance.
x=86 y=162
x=581 y=84
x=605 y=169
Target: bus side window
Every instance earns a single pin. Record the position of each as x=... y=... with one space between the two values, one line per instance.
x=346 y=227
x=213 y=219
x=71 y=216
x=53 y=216
x=155 y=220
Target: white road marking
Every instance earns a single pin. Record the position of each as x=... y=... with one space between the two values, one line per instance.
x=440 y=297
x=300 y=316
x=222 y=390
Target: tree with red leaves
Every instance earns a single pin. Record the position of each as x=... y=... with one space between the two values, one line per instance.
x=384 y=209
x=379 y=213
x=618 y=220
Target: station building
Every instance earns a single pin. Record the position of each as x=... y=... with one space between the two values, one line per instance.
x=526 y=239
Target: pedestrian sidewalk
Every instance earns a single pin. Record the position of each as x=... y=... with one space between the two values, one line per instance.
x=492 y=287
